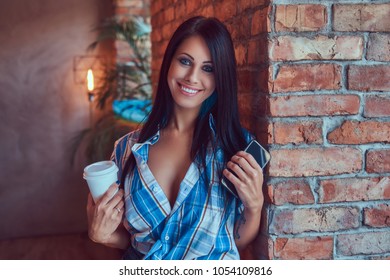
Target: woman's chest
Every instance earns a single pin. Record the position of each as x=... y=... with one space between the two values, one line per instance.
x=169 y=160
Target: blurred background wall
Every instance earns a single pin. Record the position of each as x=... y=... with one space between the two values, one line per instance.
x=43 y=105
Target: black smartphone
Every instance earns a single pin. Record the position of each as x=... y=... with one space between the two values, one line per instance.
x=261 y=156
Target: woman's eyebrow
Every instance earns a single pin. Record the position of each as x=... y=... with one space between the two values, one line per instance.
x=204 y=62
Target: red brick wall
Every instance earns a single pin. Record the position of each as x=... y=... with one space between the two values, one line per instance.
x=123 y=10
x=314 y=86
x=329 y=100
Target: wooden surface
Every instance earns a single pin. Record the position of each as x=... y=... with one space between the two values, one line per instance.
x=56 y=247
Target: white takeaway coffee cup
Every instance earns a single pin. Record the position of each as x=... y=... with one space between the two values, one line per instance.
x=100 y=176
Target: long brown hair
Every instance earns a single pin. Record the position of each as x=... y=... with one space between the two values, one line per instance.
x=222 y=104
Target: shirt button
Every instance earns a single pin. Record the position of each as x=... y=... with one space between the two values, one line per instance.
x=166 y=237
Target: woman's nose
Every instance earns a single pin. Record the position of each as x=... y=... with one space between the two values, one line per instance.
x=192 y=76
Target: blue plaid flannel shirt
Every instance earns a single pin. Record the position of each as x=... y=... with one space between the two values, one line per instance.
x=201 y=223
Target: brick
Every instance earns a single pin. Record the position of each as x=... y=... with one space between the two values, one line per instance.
x=158 y=49
x=354 y=189
x=300 y=17
x=244 y=5
x=360 y=132
x=257 y=52
x=123 y=11
x=157 y=21
x=289 y=48
x=156 y=7
x=260 y=128
x=175 y=24
x=364 y=17
x=293 y=221
x=155 y=76
x=192 y=6
x=307 y=248
x=247 y=80
x=255 y=3
x=260 y=21
x=314 y=105
x=156 y=36
x=207 y=11
x=225 y=10
x=369 y=78
x=378 y=47
x=378 y=216
x=378 y=161
x=363 y=243
x=252 y=104
x=240 y=52
x=129 y=3
x=169 y=14
x=294 y=191
x=180 y=9
x=262 y=77
x=270 y=129
x=377 y=106
x=252 y=80
x=299 y=132
x=167 y=31
x=314 y=161
x=264 y=223
x=241 y=29
x=306 y=77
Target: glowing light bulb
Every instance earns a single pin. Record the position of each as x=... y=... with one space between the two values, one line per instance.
x=90 y=80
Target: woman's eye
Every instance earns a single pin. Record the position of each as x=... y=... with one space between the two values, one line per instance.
x=184 y=61
x=208 y=68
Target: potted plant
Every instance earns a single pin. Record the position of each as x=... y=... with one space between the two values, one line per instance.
x=125 y=86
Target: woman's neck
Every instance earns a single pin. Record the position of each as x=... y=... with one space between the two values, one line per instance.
x=183 y=121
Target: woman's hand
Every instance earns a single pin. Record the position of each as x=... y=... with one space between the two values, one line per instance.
x=249 y=180
x=105 y=216
x=248 y=183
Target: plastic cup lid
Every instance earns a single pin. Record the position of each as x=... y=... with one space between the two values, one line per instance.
x=100 y=168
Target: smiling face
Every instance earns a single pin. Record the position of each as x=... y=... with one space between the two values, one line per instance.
x=190 y=76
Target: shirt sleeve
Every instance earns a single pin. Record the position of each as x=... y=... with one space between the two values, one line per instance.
x=117 y=155
x=121 y=152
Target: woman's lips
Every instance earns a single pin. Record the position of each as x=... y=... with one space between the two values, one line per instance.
x=189 y=91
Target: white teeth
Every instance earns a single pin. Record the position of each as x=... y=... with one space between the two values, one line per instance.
x=188 y=90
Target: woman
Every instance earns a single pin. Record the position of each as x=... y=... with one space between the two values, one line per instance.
x=173 y=203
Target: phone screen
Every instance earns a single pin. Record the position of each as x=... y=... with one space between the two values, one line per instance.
x=258 y=152
x=261 y=156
